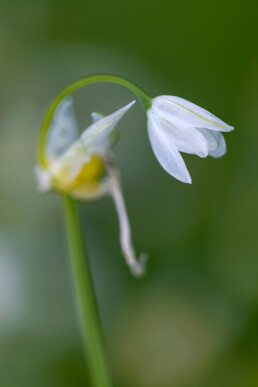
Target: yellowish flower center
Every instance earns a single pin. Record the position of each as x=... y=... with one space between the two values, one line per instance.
x=91 y=172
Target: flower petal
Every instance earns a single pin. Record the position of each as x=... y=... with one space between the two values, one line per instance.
x=188 y=112
x=94 y=136
x=208 y=135
x=63 y=130
x=186 y=138
x=96 y=116
x=166 y=151
x=221 y=147
x=43 y=179
x=216 y=142
x=112 y=138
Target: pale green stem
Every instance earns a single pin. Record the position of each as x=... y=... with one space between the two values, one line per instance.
x=85 y=299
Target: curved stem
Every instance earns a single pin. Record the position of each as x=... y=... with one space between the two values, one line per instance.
x=86 y=302
x=140 y=94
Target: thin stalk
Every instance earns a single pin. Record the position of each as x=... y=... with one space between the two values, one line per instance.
x=143 y=97
x=93 y=340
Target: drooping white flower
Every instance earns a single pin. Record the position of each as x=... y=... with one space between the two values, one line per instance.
x=176 y=125
x=83 y=166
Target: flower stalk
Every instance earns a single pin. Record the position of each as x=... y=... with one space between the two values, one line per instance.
x=94 y=346
x=144 y=98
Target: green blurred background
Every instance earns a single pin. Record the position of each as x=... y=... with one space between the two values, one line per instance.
x=193 y=320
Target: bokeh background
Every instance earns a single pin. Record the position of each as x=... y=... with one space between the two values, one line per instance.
x=193 y=320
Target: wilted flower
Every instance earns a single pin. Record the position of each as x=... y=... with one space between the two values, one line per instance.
x=83 y=166
x=176 y=125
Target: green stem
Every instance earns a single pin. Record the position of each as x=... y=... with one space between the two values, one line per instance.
x=86 y=302
x=140 y=94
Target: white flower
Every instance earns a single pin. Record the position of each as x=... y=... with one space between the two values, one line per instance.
x=83 y=166
x=176 y=125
